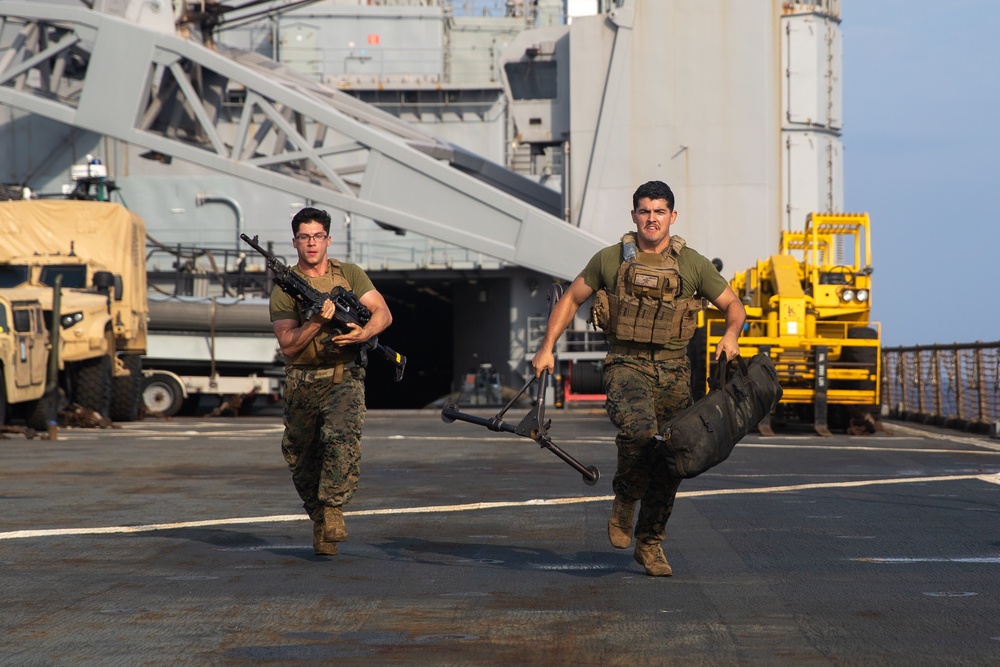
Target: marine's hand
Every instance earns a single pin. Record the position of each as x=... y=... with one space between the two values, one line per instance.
x=543 y=360
x=729 y=345
x=355 y=335
x=327 y=313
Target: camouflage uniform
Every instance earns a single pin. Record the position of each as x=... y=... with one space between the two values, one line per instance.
x=323 y=415
x=642 y=396
x=322 y=441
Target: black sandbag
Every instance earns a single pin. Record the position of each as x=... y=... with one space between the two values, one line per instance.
x=703 y=435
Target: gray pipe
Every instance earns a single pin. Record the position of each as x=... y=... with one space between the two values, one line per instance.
x=203 y=199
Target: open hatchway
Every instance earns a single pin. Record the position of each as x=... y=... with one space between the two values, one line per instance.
x=451 y=325
x=422 y=330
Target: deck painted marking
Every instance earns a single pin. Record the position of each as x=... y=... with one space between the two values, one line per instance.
x=978 y=442
x=990 y=560
x=221 y=430
x=863 y=448
x=536 y=502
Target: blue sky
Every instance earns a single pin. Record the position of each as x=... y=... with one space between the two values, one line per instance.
x=922 y=155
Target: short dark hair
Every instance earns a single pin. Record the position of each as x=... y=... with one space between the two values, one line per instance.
x=310 y=214
x=653 y=190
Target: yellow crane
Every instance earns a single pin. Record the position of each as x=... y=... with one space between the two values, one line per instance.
x=808 y=307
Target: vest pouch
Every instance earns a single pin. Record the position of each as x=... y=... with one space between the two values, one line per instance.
x=645 y=281
x=646 y=318
x=671 y=285
x=623 y=316
x=663 y=326
x=685 y=320
x=600 y=311
x=612 y=312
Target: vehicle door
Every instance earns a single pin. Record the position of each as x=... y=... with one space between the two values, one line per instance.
x=30 y=340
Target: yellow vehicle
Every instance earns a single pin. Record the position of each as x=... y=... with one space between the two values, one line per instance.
x=99 y=250
x=808 y=308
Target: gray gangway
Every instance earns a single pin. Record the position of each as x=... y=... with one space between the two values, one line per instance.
x=241 y=114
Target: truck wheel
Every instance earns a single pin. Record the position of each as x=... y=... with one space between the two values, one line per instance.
x=91 y=382
x=866 y=355
x=126 y=390
x=859 y=419
x=162 y=395
x=41 y=412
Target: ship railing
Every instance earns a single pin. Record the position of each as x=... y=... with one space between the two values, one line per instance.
x=952 y=385
x=583 y=343
x=200 y=270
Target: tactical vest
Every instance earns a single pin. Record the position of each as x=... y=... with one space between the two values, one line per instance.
x=646 y=306
x=323 y=352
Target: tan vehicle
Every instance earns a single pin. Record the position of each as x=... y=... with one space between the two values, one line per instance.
x=98 y=249
x=24 y=356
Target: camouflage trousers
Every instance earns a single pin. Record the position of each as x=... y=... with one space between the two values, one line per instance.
x=642 y=396
x=322 y=440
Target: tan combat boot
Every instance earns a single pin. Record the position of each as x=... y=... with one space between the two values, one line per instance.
x=651 y=557
x=334 y=529
x=620 y=523
x=320 y=546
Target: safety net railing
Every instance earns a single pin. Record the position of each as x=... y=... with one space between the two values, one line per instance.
x=950 y=385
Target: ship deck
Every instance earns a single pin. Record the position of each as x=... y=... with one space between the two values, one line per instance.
x=182 y=542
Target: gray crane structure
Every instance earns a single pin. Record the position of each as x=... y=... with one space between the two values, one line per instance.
x=239 y=114
x=173 y=96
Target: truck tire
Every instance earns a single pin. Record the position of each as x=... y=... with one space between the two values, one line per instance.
x=126 y=390
x=866 y=355
x=41 y=412
x=91 y=384
x=162 y=396
x=859 y=416
x=36 y=413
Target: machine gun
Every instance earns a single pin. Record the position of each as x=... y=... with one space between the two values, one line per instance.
x=348 y=308
x=533 y=425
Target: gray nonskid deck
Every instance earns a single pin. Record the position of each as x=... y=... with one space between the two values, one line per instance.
x=182 y=542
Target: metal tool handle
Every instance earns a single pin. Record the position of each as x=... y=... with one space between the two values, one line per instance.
x=591 y=475
x=533 y=424
x=450 y=412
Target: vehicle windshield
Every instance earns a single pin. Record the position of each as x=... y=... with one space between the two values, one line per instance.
x=12 y=275
x=73 y=275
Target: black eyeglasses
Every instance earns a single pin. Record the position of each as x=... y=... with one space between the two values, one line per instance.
x=306 y=238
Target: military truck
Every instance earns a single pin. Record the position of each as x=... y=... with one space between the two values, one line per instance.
x=24 y=355
x=121 y=352
x=98 y=248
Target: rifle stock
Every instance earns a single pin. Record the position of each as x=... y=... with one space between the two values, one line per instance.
x=348 y=308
